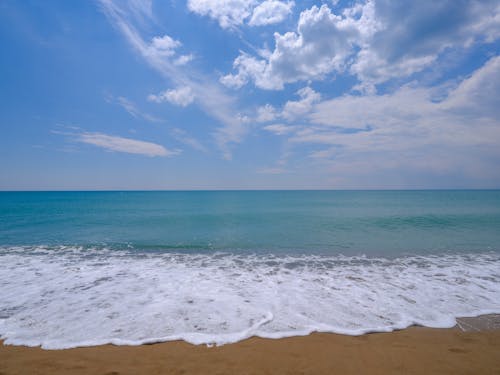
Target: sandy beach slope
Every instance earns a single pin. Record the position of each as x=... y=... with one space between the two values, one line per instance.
x=412 y=351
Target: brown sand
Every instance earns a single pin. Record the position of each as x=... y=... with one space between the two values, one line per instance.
x=412 y=351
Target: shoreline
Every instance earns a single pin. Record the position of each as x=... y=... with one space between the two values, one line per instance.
x=472 y=346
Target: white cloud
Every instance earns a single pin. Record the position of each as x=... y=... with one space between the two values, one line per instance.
x=140 y=10
x=164 y=45
x=248 y=68
x=228 y=13
x=321 y=44
x=209 y=96
x=376 y=41
x=266 y=113
x=477 y=97
x=232 y=13
x=409 y=132
x=182 y=96
x=295 y=109
x=183 y=59
x=279 y=129
x=181 y=136
x=292 y=110
x=126 y=145
x=414 y=109
x=414 y=137
x=270 y=12
x=410 y=35
x=132 y=109
x=128 y=106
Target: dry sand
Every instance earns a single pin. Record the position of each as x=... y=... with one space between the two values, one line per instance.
x=473 y=347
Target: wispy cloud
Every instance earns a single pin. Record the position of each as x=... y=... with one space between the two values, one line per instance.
x=116 y=143
x=272 y=170
x=183 y=59
x=409 y=131
x=181 y=136
x=132 y=109
x=280 y=129
x=209 y=95
x=126 y=145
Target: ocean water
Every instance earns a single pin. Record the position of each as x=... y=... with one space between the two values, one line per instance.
x=89 y=268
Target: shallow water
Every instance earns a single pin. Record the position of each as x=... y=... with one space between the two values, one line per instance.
x=81 y=269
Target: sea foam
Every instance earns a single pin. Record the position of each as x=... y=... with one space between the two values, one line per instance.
x=67 y=297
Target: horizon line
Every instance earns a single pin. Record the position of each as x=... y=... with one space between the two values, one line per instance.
x=238 y=189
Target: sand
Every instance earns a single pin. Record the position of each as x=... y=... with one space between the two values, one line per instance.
x=416 y=350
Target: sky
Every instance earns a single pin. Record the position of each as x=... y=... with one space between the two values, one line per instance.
x=249 y=94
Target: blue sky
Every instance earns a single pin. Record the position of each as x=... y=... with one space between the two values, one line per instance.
x=249 y=94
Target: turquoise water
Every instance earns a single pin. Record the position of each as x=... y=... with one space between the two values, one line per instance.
x=128 y=268
x=386 y=223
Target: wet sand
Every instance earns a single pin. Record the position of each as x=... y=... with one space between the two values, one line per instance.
x=472 y=347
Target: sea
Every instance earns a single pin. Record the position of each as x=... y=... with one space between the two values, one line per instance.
x=216 y=267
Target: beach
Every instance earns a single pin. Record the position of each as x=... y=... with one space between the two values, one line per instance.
x=415 y=350
x=249 y=187
x=244 y=282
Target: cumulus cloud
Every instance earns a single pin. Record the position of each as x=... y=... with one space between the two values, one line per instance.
x=321 y=44
x=182 y=96
x=298 y=108
x=413 y=137
x=292 y=110
x=232 y=13
x=248 y=68
x=270 y=12
x=376 y=41
x=228 y=13
x=126 y=145
x=409 y=130
x=410 y=35
x=164 y=45
x=183 y=59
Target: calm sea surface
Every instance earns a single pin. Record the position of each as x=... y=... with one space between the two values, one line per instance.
x=388 y=223
x=87 y=268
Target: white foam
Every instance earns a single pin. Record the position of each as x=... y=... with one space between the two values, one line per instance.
x=67 y=297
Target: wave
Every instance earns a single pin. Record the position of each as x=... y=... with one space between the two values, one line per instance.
x=68 y=296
